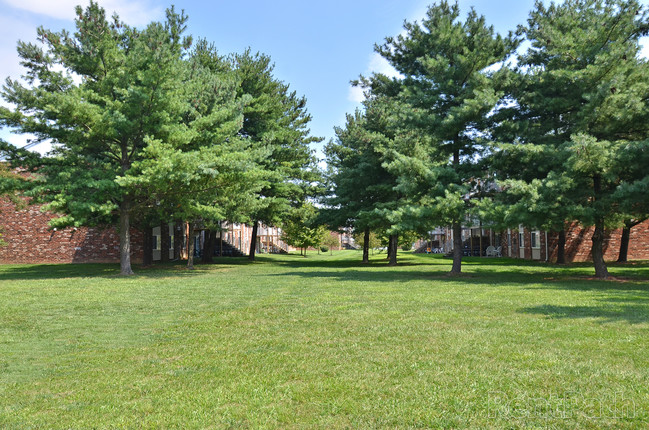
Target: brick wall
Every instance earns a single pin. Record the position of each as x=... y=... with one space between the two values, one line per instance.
x=29 y=240
x=578 y=243
x=527 y=244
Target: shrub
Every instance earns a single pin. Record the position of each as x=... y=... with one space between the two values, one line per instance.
x=324 y=248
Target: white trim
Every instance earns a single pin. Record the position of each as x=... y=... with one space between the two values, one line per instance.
x=535 y=234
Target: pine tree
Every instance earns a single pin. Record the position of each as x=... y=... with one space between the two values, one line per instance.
x=632 y=195
x=440 y=102
x=209 y=172
x=361 y=190
x=579 y=94
x=275 y=120
x=101 y=95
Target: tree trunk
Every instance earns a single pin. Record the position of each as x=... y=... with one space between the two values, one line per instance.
x=457 y=248
x=598 y=250
x=598 y=237
x=178 y=240
x=125 y=237
x=164 y=242
x=624 y=242
x=561 y=247
x=190 y=243
x=366 y=246
x=456 y=269
x=220 y=238
x=208 y=247
x=392 y=247
x=253 y=241
x=147 y=248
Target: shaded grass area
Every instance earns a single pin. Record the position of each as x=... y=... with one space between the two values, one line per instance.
x=324 y=342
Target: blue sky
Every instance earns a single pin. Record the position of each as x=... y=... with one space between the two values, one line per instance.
x=317 y=46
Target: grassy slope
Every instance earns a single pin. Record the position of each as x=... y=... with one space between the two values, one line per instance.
x=323 y=342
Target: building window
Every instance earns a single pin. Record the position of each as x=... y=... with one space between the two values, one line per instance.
x=156 y=243
x=521 y=237
x=535 y=237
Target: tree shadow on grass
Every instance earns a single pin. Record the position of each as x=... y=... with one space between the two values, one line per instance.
x=477 y=270
x=609 y=311
x=93 y=270
x=306 y=263
x=435 y=275
x=517 y=276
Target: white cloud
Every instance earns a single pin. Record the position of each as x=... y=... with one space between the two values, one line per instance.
x=376 y=64
x=10 y=32
x=132 y=12
x=355 y=94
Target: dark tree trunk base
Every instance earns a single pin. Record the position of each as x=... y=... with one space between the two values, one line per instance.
x=178 y=239
x=253 y=241
x=561 y=248
x=624 y=243
x=601 y=271
x=208 y=247
x=164 y=242
x=147 y=247
x=457 y=249
x=190 y=243
x=392 y=248
x=125 y=238
x=366 y=246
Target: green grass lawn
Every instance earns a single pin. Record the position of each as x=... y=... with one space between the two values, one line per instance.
x=324 y=342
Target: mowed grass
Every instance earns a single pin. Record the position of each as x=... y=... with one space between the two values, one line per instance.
x=324 y=342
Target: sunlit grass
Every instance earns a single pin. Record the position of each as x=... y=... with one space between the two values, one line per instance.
x=324 y=342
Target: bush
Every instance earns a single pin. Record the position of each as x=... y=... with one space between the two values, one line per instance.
x=406 y=247
x=324 y=248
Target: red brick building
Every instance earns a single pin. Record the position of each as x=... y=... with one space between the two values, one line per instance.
x=28 y=239
x=540 y=245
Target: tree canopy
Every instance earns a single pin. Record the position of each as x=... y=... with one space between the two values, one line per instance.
x=577 y=103
x=439 y=104
x=145 y=128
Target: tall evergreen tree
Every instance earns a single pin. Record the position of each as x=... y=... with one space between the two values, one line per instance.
x=361 y=188
x=580 y=91
x=125 y=95
x=443 y=94
x=276 y=120
x=209 y=172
